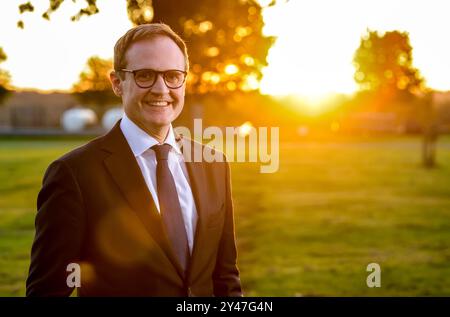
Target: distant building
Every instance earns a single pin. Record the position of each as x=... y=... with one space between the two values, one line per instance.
x=441 y=102
x=29 y=109
x=386 y=122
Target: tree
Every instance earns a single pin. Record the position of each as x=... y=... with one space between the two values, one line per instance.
x=383 y=64
x=224 y=37
x=384 y=68
x=5 y=78
x=94 y=87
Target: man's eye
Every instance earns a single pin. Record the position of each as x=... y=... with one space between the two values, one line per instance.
x=146 y=75
x=172 y=76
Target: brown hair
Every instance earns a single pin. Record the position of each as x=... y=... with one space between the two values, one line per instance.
x=143 y=32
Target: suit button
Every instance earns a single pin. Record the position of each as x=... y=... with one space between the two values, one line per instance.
x=190 y=294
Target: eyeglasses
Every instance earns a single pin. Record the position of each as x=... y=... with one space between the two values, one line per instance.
x=146 y=78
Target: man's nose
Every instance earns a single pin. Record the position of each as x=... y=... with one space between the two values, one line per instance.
x=160 y=86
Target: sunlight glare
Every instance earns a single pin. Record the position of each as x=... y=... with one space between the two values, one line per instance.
x=313 y=54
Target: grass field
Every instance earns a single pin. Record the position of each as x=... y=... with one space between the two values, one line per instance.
x=309 y=229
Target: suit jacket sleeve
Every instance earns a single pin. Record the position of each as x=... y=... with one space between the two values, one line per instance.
x=59 y=230
x=226 y=278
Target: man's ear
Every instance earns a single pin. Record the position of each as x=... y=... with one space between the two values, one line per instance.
x=116 y=83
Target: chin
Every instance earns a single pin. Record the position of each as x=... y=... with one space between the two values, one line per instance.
x=158 y=122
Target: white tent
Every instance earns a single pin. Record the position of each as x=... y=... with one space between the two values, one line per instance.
x=77 y=119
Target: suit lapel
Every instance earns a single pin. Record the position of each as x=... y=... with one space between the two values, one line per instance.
x=127 y=175
x=198 y=182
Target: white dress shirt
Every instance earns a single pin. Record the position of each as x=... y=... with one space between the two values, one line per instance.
x=140 y=143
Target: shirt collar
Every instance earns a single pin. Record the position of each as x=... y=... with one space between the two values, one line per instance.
x=140 y=141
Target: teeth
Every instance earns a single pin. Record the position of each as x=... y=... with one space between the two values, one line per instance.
x=158 y=103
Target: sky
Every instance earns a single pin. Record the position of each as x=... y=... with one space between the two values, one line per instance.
x=312 y=56
x=317 y=39
x=49 y=55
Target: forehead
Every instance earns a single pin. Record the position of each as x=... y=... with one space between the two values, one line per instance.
x=159 y=53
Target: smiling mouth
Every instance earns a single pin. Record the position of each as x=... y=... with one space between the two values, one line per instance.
x=157 y=103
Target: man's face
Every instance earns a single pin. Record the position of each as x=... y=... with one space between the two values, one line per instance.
x=153 y=109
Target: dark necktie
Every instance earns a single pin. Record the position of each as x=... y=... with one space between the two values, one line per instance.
x=169 y=205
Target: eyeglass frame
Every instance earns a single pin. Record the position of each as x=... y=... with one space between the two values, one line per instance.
x=163 y=73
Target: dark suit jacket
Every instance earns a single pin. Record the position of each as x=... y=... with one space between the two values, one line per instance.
x=95 y=209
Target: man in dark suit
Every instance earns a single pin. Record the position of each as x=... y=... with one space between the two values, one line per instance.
x=130 y=209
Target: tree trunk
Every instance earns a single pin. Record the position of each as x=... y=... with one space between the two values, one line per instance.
x=430 y=133
x=429 y=149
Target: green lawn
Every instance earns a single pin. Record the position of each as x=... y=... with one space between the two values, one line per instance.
x=309 y=229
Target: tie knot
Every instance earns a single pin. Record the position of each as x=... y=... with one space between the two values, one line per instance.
x=161 y=151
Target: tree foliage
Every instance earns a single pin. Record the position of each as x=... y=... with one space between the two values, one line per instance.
x=5 y=78
x=94 y=87
x=90 y=9
x=224 y=38
x=384 y=64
